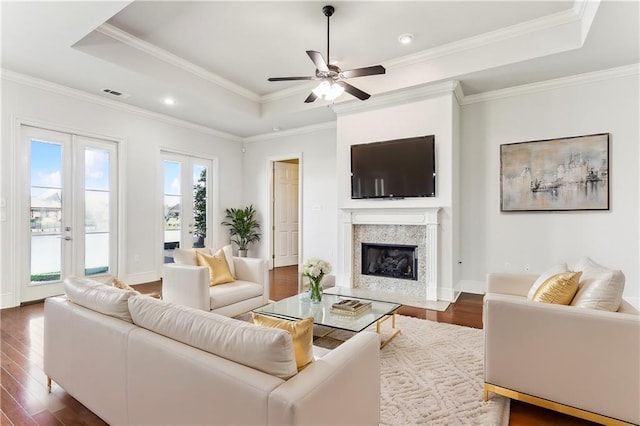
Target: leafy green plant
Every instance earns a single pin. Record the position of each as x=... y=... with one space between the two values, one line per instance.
x=243 y=226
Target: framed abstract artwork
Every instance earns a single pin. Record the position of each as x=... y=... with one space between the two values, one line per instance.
x=556 y=174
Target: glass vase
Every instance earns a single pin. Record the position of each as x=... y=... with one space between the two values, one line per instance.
x=315 y=290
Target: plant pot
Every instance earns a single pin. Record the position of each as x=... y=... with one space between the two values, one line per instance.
x=242 y=253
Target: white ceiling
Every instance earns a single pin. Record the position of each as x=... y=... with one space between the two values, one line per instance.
x=214 y=57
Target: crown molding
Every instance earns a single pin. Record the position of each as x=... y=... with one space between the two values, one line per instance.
x=132 y=41
x=291 y=132
x=400 y=96
x=88 y=97
x=285 y=93
x=574 y=80
x=513 y=31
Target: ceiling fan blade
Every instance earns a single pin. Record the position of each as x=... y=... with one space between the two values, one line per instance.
x=291 y=78
x=361 y=72
x=318 y=61
x=312 y=97
x=363 y=96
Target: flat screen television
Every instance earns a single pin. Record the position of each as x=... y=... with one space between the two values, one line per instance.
x=397 y=168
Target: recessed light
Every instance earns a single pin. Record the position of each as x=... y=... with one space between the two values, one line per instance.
x=405 y=38
x=169 y=101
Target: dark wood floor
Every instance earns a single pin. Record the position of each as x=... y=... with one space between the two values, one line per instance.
x=25 y=401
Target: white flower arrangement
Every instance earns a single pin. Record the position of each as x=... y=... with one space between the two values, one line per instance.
x=316 y=268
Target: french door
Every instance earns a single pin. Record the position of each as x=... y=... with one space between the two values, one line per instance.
x=187 y=203
x=69 y=210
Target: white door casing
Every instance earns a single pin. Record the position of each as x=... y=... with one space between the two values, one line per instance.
x=286 y=221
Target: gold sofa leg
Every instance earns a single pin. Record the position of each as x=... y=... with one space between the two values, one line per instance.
x=545 y=403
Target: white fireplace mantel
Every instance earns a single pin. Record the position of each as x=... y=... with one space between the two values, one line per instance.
x=427 y=217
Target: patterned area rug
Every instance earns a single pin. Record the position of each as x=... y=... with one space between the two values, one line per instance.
x=430 y=374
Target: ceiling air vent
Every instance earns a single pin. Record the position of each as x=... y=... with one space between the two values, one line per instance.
x=115 y=93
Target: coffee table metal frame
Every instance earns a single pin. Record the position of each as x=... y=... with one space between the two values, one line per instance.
x=300 y=306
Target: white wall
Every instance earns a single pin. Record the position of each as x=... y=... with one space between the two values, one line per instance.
x=490 y=239
x=141 y=140
x=318 y=174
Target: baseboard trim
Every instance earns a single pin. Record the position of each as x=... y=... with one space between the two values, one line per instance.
x=555 y=406
x=471 y=286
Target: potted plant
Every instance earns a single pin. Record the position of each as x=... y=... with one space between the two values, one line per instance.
x=243 y=227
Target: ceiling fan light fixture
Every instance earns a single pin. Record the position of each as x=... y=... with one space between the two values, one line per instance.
x=405 y=38
x=328 y=90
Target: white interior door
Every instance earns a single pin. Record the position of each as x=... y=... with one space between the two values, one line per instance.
x=285 y=214
x=187 y=204
x=68 y=211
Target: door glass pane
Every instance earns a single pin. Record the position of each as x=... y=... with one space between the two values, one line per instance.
x=199 y=205
x=46 y=211
x=172 y=208
x=97 y=208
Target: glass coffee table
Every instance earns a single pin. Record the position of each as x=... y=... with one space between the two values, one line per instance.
x=299 y=306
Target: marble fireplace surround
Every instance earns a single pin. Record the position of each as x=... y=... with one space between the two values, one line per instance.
x=392 y=226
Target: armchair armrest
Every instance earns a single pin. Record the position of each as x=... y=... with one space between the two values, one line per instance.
x=582 y=358
x=510 y=283
x=186 y=285
x=253 y=270
x=347 y=379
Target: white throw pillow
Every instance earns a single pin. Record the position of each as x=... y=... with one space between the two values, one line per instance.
x=228 y=254
x=599 y=288
x=554 y=270
x=266 y=349
x=99 y=297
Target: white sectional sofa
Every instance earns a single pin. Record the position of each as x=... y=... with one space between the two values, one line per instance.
x=188 y=367
x=188 y=285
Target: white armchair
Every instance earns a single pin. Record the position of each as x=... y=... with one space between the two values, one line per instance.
x=583 y=362
x=189 y=286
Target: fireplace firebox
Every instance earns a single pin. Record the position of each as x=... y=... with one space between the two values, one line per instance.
x=390 y=260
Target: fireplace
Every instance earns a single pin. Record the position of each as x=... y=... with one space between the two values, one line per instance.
x=390 y=260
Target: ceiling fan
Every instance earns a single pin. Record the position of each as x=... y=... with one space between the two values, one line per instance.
x=332 y=77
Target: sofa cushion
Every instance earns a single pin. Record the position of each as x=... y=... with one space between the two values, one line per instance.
x=266 y=349
x=554 y=270
x=237 y=291
x=558 y=289
x=188 y=256
x=599 y=288
x=301 y=331
x=219 y=272
x=99 y=297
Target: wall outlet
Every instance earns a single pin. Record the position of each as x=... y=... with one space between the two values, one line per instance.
x=507 y=266
x=526 y=268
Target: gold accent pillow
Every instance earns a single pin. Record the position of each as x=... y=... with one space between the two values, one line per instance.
x=219 y=272
x=122 y=285
x=558 y=289
x=301 y=332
